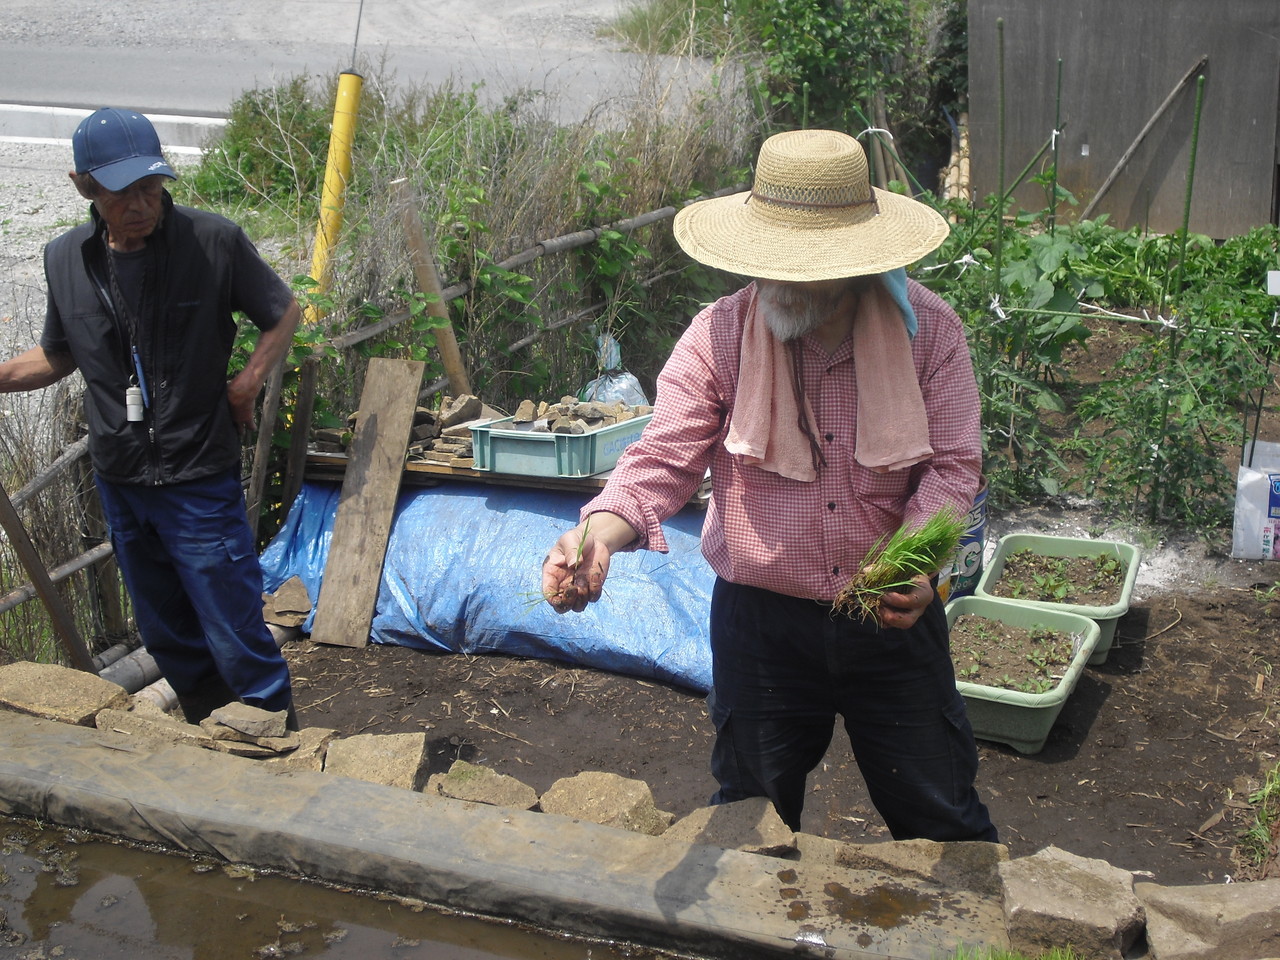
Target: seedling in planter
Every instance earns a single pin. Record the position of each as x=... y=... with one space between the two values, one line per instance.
x=1030 y=575
x=894 y=564
x=1051 y=586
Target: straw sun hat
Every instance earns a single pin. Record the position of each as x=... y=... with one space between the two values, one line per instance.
x=811 y=214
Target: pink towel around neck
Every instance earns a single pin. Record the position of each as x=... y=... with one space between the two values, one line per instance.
x=893 y=431
x=764 y=428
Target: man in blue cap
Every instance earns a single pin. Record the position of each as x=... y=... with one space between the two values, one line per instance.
x=141 y=301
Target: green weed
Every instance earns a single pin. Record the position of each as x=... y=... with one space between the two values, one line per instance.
x=1258 y=843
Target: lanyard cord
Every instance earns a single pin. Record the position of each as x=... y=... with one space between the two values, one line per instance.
x=816 y=456
x=125 y=309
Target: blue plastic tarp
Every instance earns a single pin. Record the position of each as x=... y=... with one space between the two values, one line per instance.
x=462 y=574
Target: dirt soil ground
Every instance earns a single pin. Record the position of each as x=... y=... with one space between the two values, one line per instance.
x=1148 y=766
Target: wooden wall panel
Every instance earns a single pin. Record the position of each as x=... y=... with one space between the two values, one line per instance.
x=1120 y=60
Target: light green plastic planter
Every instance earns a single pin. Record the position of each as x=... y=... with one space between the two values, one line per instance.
x=1022 y=720
x=1106 y=617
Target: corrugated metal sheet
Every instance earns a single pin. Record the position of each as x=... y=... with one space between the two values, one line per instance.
x=1120 y=60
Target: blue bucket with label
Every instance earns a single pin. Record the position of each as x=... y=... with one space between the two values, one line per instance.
x=968 y=564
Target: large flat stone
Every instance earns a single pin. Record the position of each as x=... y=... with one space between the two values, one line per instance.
x=967 y=866
x=58 y=693
x=479 y=784
x=545 y=870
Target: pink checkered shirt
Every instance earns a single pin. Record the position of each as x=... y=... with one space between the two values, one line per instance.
x=789 y=536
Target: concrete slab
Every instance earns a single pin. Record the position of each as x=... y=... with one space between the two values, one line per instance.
x=546 y=870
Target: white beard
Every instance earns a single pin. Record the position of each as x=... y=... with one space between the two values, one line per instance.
x=790 y=312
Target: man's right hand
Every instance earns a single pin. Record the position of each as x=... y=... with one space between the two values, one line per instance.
x=574 y=571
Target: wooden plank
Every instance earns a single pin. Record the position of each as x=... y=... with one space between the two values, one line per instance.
x=424 y=269
x=303 y=410
x=1142 y=135
x=1108 y=93
x=332 y=468
x=262 y=449
x=353 y=571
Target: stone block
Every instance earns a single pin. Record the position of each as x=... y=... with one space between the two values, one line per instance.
x=477 y=784
x=751 y=825
x=1053 y=898
x=607 y=799
x=58 y=693
x=256 y=748
x=394 y=759
x=289 y=605
x=251 y=721
x=313 y=745
x=462 y=409
x=1230 y=921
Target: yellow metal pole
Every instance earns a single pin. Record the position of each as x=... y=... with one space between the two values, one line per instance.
x=336 y=175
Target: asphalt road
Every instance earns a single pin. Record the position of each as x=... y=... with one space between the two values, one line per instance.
x=192 y=57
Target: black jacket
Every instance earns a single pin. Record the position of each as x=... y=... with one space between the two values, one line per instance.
x=201 y=268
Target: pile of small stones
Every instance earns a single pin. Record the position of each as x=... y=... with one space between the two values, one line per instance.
x=443 y=435
x=573 y=416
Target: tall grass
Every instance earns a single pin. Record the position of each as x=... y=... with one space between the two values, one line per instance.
x=491 y=182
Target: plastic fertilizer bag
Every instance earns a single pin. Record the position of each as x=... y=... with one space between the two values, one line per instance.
x=1256 y=528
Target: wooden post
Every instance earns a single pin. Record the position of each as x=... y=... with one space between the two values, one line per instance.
x=300 y=435
x=424 y=269
x=63 y=625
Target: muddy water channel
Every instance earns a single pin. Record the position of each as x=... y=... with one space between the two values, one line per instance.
x=76 y=896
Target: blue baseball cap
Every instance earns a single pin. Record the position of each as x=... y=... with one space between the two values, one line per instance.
x=118 y=147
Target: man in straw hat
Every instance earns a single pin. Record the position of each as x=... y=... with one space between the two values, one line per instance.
x=834 y=401
x=140 y=301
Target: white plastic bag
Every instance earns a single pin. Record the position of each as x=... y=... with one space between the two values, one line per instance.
x=614 y=383
x=1256 y=527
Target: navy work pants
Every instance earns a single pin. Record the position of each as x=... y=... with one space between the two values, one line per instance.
x=784 y=667
x=188 y=560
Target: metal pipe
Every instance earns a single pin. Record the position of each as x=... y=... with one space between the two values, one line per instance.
x=159 y=692
x=133 y=671
x=1175 y=342
x=336 y=176
x=1186 y=204
x=111 y=655
x=999 y=244
x=1053 y=181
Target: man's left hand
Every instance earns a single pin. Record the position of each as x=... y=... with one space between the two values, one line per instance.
x=901 y=609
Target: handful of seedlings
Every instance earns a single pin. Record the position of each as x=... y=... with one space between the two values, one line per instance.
x=891 y=565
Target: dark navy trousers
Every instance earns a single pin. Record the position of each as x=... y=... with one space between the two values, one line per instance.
x=783 y=668
x=188 y=561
